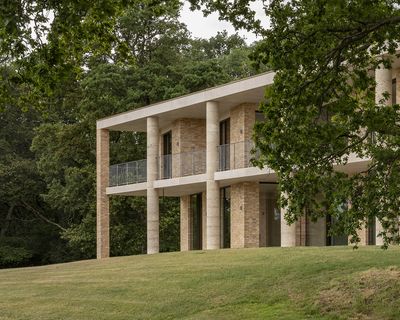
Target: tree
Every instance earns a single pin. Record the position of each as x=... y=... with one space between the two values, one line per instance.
x=321 y=108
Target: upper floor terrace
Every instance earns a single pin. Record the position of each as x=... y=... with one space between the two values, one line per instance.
x=198 y=137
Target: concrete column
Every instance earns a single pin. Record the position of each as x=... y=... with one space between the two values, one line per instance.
x=103 y=207
x=288 y=232
x=153 y=224
x=378 y=229
x=213 y=209
x=383 y=78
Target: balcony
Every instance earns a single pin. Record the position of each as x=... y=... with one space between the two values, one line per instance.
x=182 y=164
x=235 y=155
x=128 y=173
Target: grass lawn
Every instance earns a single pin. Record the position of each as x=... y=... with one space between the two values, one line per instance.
x=265 y=283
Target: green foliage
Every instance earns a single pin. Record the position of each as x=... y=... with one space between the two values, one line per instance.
x=12 y=255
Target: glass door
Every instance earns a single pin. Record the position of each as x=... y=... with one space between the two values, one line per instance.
x=196 y=221
x=224 y=144
x=225 y=217
x=167 y=155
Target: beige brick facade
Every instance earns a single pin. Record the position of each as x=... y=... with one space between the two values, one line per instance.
x=245 y=215
x=185 y=236
x=302 y=231
x=242 y=119
x=103 y=210
x=188 y=146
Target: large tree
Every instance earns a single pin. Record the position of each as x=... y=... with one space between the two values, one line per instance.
x=321 y=108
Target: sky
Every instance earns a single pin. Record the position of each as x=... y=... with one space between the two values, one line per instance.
x=206 y=27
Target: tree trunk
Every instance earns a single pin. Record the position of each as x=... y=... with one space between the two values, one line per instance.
x=7 y=221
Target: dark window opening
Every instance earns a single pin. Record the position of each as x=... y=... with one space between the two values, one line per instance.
x=196 y=224
x=167 y=155
x=394 y=91
x=225 y=199
x=224 y=141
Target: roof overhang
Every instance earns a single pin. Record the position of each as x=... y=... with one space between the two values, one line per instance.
x=249 y=90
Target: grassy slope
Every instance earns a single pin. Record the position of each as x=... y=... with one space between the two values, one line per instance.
x=266 y=283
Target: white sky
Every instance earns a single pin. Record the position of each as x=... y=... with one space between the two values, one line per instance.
x=206 y=27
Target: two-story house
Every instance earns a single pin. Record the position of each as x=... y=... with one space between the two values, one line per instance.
x=198 y=149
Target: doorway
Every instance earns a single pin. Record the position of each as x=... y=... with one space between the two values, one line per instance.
x=167 y=155
x=224 y=144
x=196 y=225
x=225 y=206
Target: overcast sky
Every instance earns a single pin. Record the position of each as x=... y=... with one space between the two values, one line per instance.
x=206 y=27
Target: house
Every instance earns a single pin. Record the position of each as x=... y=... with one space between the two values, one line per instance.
x=198 y=149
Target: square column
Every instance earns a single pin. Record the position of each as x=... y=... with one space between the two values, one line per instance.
x=153 y=215
x=213 y=201
x=288 y=232
x=383 y=78
x=102 y=180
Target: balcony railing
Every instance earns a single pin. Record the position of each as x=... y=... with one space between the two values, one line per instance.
x=182 y=164
x=231 y=156
x=235 y=155
x=128 y=173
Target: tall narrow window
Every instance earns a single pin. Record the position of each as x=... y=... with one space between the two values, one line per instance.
x=224 y=141
x=394 y=91
x=371 y=231
x=196 y=225
x=225 y=206
x=167 y=155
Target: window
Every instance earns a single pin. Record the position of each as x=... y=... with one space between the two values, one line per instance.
x=394 y=91
x=225 y=198
x=196 y=224
x=167 y=155
x=224 y=144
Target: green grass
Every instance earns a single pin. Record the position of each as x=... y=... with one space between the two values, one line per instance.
x=265 y=283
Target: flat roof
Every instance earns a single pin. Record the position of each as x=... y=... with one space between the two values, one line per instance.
x=192 y=105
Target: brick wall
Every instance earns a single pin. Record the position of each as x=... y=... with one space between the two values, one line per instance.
x=103 y=213
x=185 y=236
x=245 y=215
x=187 y=135
x=242 y=119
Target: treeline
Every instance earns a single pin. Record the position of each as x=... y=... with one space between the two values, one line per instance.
x=47 y=134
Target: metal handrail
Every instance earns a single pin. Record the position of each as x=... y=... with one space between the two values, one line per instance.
x=236 y=155
x=182 y=164
x=128 y=173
